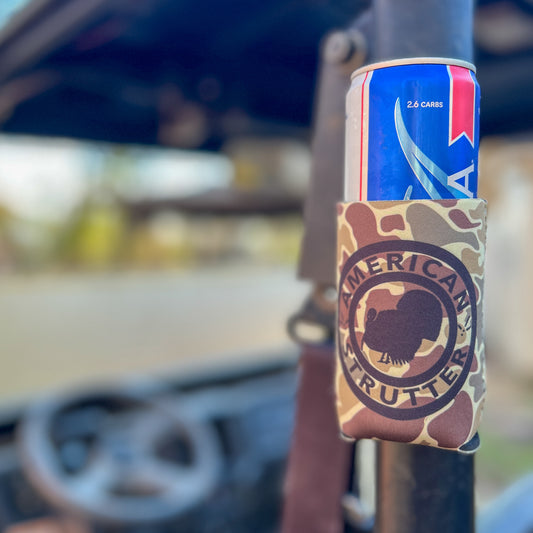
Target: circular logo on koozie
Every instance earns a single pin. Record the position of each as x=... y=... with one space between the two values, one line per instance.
x=407 y=327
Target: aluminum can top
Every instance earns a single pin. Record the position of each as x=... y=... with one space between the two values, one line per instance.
x=414 y=61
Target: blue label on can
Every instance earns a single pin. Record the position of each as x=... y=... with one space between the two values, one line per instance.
x=423 y=132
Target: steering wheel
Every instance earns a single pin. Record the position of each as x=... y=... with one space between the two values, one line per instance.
x=118 y=457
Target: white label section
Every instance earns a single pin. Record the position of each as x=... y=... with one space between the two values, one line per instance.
x=356 y=141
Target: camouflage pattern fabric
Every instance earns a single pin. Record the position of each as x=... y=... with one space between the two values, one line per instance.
x=410 y=364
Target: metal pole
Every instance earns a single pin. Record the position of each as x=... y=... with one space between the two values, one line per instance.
x=421 y=489
x=422 y=28
x=424 y=489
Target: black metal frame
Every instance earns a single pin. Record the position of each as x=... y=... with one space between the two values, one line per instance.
x=419 y=489
x=422 y=489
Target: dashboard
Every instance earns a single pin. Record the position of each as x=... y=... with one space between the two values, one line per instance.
x=202 y=453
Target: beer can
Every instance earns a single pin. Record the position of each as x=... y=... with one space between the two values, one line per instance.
x=412 y=131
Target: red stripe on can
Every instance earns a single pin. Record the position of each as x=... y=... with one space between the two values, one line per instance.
x=362 y=137
x=462 y=104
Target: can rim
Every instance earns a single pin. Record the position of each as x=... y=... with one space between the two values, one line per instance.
x=415 y=61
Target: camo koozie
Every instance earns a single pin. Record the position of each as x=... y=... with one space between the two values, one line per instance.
x=410 y=346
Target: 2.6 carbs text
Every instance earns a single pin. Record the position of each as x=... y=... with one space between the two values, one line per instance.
x=415 y=104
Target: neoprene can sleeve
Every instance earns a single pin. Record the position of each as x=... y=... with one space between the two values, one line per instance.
x=411 y=365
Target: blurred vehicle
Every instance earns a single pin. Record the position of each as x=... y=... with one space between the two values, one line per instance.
x=200 y=452
x=197 y=453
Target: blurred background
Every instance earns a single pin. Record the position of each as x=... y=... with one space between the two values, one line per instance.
x=154 y=159
x=114 y=257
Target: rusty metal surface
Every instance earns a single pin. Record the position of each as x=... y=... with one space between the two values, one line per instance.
x=314 y=487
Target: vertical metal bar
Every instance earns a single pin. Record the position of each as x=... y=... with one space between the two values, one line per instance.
x=423 y=28
x=422 y=489
x=341 y=55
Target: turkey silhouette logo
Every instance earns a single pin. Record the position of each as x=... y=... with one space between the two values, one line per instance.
x=406 y=327
x=398 y=333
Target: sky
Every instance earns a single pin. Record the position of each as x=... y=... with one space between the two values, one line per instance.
x=9 y=7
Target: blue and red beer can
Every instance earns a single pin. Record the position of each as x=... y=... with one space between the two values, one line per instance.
x=412 y=131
